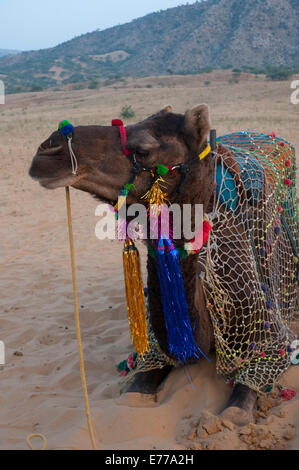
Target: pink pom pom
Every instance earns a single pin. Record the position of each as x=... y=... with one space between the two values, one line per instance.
x=124 y=373
x=130 y=362
x=287 y=394
x=272 y=135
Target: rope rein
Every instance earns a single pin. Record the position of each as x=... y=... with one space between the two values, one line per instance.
x=78 y=331
x=72 y=155
x=77 y=319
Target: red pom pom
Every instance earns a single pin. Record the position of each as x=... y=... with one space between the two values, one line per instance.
x=272 y=134
x=279 y=208
x=287 y=394
x=282 y=144
x=288 y=182
x=117 y=122
x=287 y=163
x=206 y=231
x=263 y=354
x=281 y=352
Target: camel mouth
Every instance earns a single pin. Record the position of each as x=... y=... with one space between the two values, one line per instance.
x=54 y=183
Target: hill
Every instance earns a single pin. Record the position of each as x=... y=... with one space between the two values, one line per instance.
x=247 y=34
x=5 y=52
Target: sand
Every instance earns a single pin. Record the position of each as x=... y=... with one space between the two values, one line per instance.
x=40 y=382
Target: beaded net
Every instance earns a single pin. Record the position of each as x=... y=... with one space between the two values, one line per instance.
x=249 y=266
x=250 y=262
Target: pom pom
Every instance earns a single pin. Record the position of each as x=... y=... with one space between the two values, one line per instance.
x=65 y=127
x=117 y=122
x=272 y=135
x=287 y=163
x=279 y=208
x=287 y=394
x=287 y=182
x=161 y=169
x=281 y=352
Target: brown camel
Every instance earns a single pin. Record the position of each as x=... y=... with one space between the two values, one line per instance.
x=103 y=170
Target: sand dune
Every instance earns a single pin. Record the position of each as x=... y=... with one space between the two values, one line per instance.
x=40 y=383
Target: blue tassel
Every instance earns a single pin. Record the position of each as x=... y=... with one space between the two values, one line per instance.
x=180 y=336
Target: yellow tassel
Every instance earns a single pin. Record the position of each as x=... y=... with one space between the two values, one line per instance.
x=135 y=298
x=156 y=196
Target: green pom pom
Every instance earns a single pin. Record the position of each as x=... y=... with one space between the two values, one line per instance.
x=161 y=169
x=122 y=366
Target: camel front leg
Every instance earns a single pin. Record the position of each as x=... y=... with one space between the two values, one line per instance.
x=239 y=409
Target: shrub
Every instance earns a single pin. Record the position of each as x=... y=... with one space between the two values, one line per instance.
x=93 y=85
x=279 y=74
x=36 y=88
x=127 y=112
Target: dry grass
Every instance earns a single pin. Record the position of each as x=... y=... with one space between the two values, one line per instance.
x=252 y=104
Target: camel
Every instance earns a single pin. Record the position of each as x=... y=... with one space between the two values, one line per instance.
x=166 y=138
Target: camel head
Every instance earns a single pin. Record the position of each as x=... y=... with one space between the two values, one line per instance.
x=164 y=138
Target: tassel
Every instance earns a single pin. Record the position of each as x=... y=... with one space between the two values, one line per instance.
x=156 y=200
x=180 y=336
x=135 y=298
x=156 y=197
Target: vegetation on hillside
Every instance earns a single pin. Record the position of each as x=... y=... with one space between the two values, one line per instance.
x=257 y=36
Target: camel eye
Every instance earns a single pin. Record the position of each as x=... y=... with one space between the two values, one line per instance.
x=141 y=153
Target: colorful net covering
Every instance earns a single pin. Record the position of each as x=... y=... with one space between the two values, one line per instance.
x=250 y=262
x=249 y=266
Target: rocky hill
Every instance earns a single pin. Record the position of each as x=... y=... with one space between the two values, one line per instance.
x=185 y=39
x=4 y=52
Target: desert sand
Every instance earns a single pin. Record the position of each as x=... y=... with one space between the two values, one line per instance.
x=40 y=382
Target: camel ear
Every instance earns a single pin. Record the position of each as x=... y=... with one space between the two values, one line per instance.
x=167 y=109
x=197 y=126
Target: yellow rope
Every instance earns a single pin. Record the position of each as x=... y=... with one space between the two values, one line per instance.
x=80 y=348
x=41 y=436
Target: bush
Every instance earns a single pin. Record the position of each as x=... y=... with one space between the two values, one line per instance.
x=36 y=88
x=280 y=74
x=93 y=85
x=127 y=112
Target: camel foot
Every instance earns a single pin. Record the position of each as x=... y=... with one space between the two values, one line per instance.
x=239 y=409
x=147 y=383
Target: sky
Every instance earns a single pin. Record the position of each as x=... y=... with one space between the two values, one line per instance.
x=36 y=24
